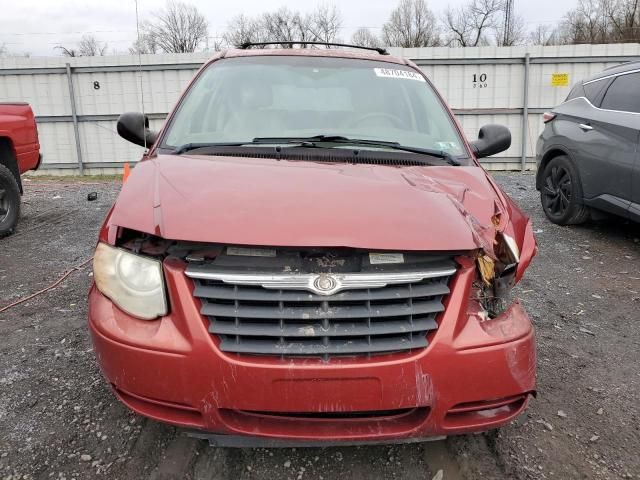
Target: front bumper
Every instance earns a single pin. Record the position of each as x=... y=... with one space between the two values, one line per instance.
x=473 y=376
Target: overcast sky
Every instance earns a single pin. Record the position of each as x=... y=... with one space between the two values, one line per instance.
x=37 y=26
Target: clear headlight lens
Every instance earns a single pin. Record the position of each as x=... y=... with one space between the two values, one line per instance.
x=133 y=282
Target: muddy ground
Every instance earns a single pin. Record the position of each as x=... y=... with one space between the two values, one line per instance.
x=59 y=420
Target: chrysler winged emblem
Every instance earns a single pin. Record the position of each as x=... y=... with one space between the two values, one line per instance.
x=324 y=284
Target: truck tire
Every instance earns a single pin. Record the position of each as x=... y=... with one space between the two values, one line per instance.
x=9 y=202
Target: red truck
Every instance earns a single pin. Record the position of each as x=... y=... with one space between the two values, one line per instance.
x=19 y=152
x=311 y=254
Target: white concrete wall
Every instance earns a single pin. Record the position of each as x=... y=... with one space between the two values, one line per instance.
x=43 y=82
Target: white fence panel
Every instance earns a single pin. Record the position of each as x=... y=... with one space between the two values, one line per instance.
x=478 y=86
x=49 y=93
x=57 y=144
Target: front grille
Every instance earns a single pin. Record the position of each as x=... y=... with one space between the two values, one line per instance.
x=285 y=314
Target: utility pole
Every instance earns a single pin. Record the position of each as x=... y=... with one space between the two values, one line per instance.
x=508 y=19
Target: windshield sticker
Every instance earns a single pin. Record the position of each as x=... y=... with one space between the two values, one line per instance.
x=381 y=258
x=251 y=252
x=393 y=73
x=446 y=146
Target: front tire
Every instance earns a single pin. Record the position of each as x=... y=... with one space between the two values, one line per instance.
x=9 y=202
x=561 y=193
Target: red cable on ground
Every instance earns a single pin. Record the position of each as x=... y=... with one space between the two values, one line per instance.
x=53 y=285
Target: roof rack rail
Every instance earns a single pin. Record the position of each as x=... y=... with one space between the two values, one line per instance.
x=247 y=45
x=623 y=64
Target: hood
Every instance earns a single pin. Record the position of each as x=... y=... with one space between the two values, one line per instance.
x=297 y=203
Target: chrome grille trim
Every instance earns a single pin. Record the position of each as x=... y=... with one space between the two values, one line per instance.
x=305 y=281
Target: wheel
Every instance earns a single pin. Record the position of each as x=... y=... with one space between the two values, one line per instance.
x=561 y=193
x=9 y=202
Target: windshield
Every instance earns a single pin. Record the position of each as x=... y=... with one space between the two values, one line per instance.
x=239 y=99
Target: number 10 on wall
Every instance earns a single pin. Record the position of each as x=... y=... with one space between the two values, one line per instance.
x=480 y=80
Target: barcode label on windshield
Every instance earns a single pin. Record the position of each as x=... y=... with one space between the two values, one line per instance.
x=394 y=73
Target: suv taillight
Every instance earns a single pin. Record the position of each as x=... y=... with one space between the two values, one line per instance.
x=548 y=116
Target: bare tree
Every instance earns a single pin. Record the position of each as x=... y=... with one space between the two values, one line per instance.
x=67 y=51
x=543 y=35
x=178 y=28
x=593 y=18
x=88 y=46
x=216 y=44
x=589 y=22
x=468 y=25
x=509 y=34
x=285 y=26
x=325 y=23
x=5 y=52
x=243 y=29
x=411 y=24
x=146 y=44
x=570 y=29
x=594 y=21
x=624 y=17
x=364 y=38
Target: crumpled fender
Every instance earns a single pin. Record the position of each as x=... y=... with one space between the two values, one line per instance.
x=504 y=215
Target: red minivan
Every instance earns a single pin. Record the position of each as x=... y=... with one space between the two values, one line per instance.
x=310 y=253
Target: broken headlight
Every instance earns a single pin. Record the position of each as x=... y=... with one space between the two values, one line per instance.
x=497 y=277
x=133 y=282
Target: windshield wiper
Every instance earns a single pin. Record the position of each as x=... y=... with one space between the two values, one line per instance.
x=304 y=141
x=194 y=146
x=340 y=140
x=317 y=141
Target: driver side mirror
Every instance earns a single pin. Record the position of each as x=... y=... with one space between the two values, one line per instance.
x=134 y=127
x=492 y=139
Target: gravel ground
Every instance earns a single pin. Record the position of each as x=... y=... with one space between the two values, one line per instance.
x=59 y=420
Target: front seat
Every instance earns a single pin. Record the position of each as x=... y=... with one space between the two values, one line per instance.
x=252 y=113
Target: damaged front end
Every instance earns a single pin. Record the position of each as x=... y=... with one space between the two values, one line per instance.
x=398 y=328
x=502 y=233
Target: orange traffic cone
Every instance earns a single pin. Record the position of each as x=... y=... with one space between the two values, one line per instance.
x=126 y=172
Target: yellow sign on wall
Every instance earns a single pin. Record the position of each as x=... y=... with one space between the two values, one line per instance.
x=559 y=79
